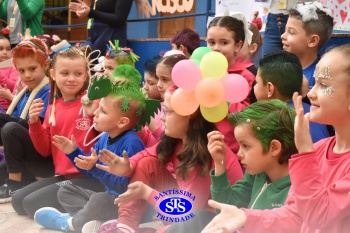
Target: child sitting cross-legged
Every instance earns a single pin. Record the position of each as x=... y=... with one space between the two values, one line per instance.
x=119 y=112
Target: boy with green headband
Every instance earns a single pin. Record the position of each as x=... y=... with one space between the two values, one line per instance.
x=120 y=110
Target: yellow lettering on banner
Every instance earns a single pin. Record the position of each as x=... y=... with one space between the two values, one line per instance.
x=146 y=10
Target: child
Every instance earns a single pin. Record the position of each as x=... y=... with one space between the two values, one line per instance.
x=186 y=40
x=70 y=78
x=226 y=34
x=118 y=123
x=151 y=133
x=116 y=56
x=30 y=58
x=308 y=28
x=265 y=133
x=249 y=51
x=279 y=76
x=318 y=200
x=8 y=75
x=184 y=145
x=151 y=80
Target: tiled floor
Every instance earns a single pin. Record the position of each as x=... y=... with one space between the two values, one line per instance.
x=11 y=222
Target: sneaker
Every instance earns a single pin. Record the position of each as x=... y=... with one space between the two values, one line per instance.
x=51 y=218
x=91 y=227
x=7 y=191
x=114 y=227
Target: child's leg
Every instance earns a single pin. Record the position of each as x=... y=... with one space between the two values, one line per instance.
x=20 y=152
x=19 y=197
x=152 y=173
x=100 y=207
x=47 y=196
x=73 y=198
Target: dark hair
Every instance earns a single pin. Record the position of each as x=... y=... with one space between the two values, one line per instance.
x=150 y=65
x=231 y=24
x=283 y=69
x=171 y=60
x=195 y=151
x=269 y=120
x=186 y=37
x=323 y=26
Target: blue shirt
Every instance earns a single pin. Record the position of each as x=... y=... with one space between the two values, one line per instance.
x=42 y=94
x=128 y=141
x=309 y=73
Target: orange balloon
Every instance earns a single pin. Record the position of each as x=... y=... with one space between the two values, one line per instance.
x=209 y=92
x=184 y=102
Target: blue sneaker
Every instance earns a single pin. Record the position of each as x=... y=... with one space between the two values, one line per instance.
x=51 y=218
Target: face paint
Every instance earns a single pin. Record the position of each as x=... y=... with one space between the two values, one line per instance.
x=325 y=74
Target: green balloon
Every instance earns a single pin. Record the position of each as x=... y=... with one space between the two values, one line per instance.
x=199 y=52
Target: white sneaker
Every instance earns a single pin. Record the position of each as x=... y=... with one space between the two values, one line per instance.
x=91 y=227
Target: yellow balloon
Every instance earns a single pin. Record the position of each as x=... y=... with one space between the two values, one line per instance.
x=215 y=114
x=214 y=64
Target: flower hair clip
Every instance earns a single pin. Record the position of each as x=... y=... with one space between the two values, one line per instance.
x=5 y=31
x=114 y=50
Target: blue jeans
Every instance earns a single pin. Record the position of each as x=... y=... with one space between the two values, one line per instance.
x=275 y=27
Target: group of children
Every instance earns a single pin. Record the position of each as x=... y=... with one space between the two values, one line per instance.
x=71 y=148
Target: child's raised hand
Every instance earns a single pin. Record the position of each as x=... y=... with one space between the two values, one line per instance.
x=86 y=162
x=302 y=137
x=135 y=190
x=229 y=220
x=34 y=111
x=64 y=144
x=217 y=150
x=114 y=164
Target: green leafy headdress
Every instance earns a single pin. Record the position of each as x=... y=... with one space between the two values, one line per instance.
x=113 y=50
x=103 y=86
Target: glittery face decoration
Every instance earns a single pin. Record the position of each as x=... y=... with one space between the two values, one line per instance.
x=324 y=73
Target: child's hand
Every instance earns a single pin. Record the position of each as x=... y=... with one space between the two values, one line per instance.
x=6 y=93
x=19 y=85
x=153 y=126
x=115 y=164
x=64 y=144
x=302 y=137
x=86 y=162
x=89 y=106
x=135 y=190
x=217 y=150
x=35 y=110
x=229 y=220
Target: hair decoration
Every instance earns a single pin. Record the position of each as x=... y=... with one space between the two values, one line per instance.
x=5 y=31
x=61 y=47
x=308 y=10
x=103 y=86
x=113 y=50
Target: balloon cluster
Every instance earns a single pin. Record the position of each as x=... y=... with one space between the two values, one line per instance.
x=203 y=82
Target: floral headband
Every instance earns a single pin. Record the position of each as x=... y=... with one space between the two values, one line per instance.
x=113 y=50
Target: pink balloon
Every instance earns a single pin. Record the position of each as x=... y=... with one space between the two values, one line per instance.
x=209 y=92
x=183 y=102
x=236 y=88
x=186 y=74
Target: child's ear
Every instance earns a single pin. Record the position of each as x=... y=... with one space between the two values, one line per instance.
x=275 y=147
x=183 y=49
x=52 y=74
x=238 y=46
x=124 y=121
x=313 y=40
x=270 y=90
x=252 y=48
